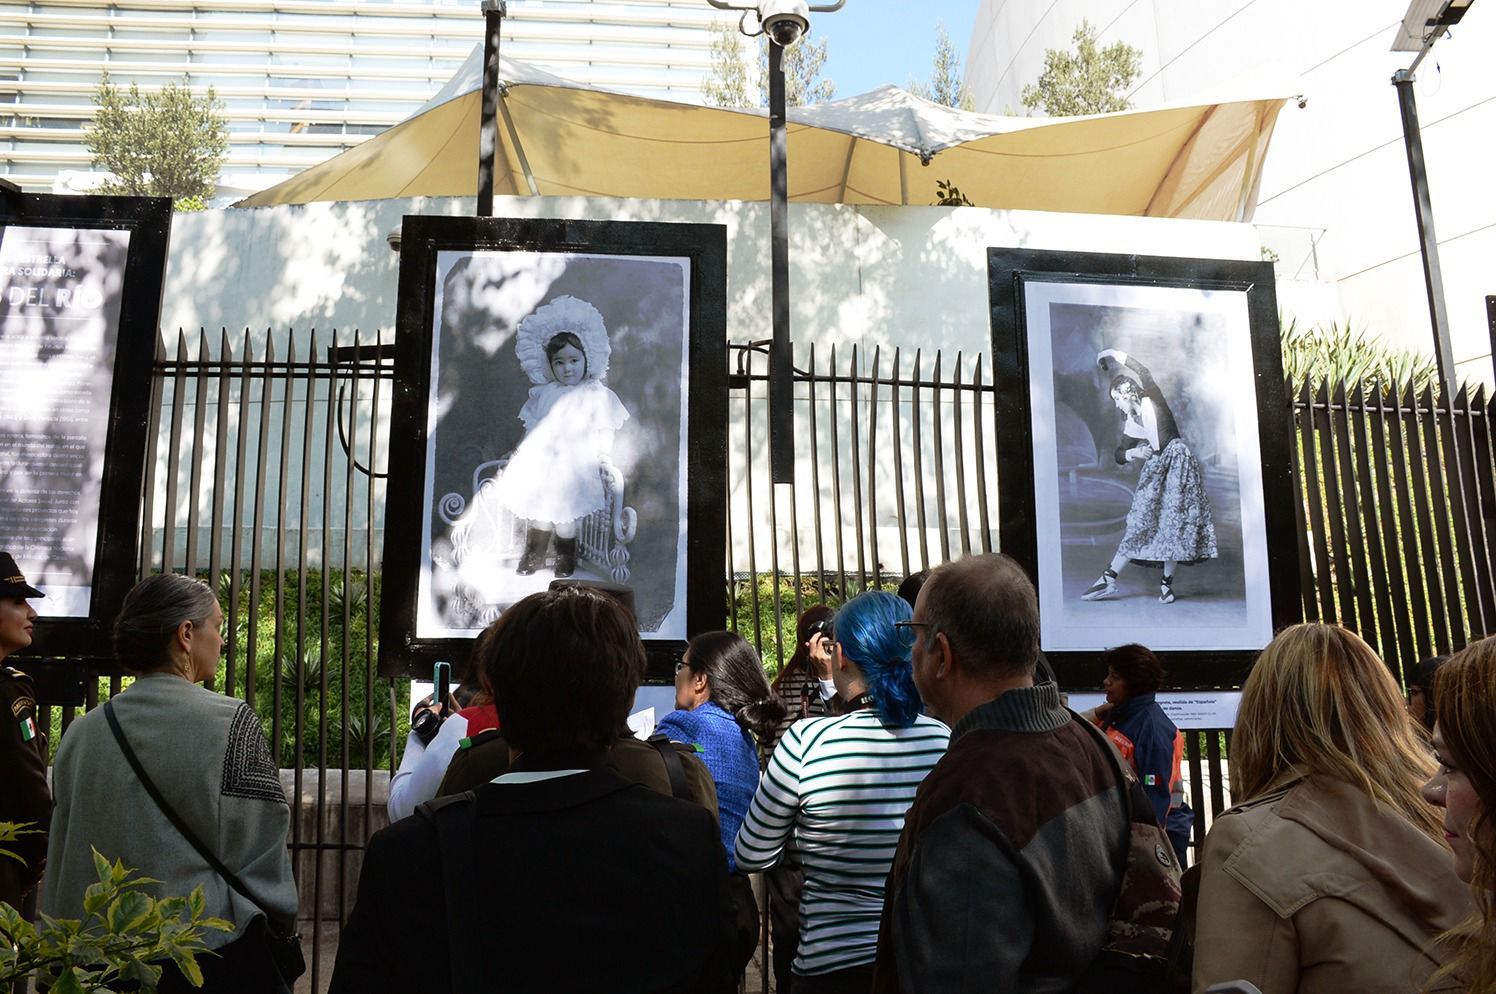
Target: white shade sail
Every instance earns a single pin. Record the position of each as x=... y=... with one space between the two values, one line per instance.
x=560 y=138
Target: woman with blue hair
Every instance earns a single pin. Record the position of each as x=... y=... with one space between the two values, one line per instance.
x=840 y=787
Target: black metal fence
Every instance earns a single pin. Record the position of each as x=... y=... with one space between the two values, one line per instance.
x=268 y=466
x=898 y=473
x=1400 y=505
x=1397 y=536
x=265 y=477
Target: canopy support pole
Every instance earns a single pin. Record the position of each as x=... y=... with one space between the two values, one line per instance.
x=488 y=132
x=847 y=169
x=519 y=148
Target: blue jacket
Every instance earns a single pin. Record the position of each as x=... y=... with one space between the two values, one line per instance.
x=730 y=756
x=1142 y=722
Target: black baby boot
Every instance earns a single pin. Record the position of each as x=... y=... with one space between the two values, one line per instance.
x=566 y=556
x=537 y=541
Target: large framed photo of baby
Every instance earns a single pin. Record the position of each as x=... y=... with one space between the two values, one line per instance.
x=1145 y=454
x=560 y=413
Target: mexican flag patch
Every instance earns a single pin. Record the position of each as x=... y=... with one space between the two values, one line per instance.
x=28 y=729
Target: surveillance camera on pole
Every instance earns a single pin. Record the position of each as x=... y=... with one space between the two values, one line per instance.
x=785 y=21
x=1425 y=22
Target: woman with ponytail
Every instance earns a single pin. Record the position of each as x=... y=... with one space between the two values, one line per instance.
x=208 y=762
x=725 y=709
x=839 y=787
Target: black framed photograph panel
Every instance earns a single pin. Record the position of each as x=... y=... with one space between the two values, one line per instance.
x=80 y=301
x=560 y=407
x=1146 y=433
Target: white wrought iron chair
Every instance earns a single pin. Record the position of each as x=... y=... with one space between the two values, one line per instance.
x=482 y=526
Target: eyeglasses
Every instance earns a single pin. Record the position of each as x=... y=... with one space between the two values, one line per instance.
x=680 y=666
x=908 y=625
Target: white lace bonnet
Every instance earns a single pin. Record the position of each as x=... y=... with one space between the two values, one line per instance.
x=546 y=322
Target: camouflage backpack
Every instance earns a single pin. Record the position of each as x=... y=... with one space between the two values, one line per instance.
x=1134 y=955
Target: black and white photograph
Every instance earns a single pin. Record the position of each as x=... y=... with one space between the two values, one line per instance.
x=556 y=434
x=1148 y=498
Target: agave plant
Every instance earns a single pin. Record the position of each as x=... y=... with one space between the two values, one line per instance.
x=308 y=675
x=347 y=587
x=360 y=738
x=1339 y=352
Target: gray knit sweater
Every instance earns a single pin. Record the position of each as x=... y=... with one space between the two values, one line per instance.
x=207 y=755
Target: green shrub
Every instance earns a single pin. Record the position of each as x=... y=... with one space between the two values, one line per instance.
x=302 y=718
x=324 y=675
x=278 y=679
x=775 y=639
x=123 y=937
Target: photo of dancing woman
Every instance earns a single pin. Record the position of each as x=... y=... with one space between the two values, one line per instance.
x=1142 y=406
x=1170 y=521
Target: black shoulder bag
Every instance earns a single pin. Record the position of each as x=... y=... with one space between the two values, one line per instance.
x=673 y=767
x=453 y=817
x=281 y=938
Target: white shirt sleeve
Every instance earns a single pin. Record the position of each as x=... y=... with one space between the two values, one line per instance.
x=1150 y=423
x=423 y=766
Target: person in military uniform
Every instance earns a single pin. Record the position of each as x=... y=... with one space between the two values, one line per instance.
x=24 y=797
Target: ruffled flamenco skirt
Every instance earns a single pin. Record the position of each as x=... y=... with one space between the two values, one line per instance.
x=1170 y=518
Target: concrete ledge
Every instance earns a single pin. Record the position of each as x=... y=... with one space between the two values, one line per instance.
x=329 y=829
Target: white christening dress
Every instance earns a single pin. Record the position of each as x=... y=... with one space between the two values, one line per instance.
x=554 y=474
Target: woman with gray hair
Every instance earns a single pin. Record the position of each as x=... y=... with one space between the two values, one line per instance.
x=169 y=778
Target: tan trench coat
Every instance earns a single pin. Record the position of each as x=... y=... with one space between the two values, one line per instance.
x=1319 y=890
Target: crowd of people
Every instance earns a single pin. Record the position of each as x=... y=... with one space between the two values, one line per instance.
x=928 y=813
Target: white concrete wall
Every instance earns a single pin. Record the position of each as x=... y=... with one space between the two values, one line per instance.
x=910 y=276
x=913 y=277
x=1336 y=173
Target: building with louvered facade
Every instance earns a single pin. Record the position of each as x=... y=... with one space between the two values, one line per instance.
x=301 y=80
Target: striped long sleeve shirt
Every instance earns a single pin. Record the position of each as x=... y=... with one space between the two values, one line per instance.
x=842 y=785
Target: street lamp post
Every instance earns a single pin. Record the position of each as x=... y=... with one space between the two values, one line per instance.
x=781 y=354
x=1423 y=24
x=785 y=22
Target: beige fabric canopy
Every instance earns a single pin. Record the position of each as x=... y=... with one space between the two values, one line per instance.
x=560 y=138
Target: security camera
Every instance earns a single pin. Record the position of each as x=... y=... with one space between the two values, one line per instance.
x=785 y=21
